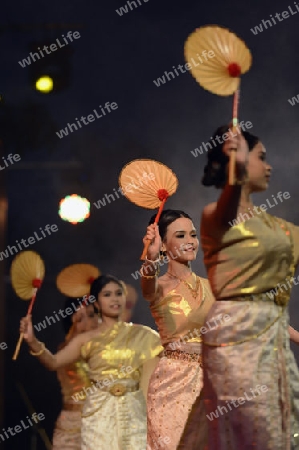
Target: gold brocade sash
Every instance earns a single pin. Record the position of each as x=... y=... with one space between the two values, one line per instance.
x=118 y=389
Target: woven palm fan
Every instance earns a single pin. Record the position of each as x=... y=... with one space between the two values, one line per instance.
x=221 y=73
x=27 y=273
x=75 y=280
x=148 y=184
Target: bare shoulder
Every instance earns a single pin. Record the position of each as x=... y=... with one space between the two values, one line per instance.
x=167 y=284
x=87 y=336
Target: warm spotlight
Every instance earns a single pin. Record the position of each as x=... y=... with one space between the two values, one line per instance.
x=74 y=208
x=44 y=84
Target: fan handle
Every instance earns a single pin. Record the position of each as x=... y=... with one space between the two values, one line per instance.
x=146 y=246
x=18 y=346
x=232 y=156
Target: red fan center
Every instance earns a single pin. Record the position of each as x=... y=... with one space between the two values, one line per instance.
x=90 y=280
x=36 y=283
x=162 y=194
x=234 y=70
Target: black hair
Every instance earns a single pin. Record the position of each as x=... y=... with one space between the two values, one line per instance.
x=167 y=217
x=215 y=171
x=74 y=304
x=100 y=282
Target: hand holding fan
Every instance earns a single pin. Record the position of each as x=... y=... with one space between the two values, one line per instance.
x=75 y=280
x=148 y=184
x=220 y=74
x=27 y=273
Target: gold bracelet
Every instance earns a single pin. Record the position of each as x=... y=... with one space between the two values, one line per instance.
x=155 y=261
x=40 y=352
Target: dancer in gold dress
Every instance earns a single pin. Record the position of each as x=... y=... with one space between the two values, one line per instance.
x=179 y=302
x=120 y=357
x=251 y=380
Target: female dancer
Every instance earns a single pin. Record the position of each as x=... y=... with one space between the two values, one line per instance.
x=73 y=378
x=120 y=357
x=251 y=381
x=179 y=302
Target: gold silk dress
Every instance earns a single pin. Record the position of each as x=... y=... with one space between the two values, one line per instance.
x=73 y=380
x=251 y=380
x=114 y=414
x=175 y=385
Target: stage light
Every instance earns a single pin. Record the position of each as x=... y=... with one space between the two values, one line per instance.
x=55 y=66
x=74 y=209
x=44 y=84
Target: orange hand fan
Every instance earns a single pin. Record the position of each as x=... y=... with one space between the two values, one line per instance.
x=27 y=273
x=219 y=74
x=148 y=184
x=75 y=280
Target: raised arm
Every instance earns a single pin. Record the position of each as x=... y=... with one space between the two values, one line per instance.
x=150 y=268
x=70 y=353
x=225 y=209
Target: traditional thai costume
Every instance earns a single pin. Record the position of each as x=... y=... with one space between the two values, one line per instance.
x=73 y=379
x=251 y=380
x=114 y=414
x=175 y=385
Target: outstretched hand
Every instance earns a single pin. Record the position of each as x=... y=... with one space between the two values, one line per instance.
x=238 y=144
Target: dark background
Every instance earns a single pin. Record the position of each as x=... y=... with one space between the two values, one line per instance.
x=116 y=60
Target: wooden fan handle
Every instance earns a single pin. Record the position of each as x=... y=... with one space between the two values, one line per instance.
x=18 y=346
x=232 y=167
x=232 y=156
x=145 y=249
x=147 y=244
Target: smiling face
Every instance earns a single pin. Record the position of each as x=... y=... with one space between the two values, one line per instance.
x=181 y=241
x=85 y=319
x=111 y=300
x=258 y=169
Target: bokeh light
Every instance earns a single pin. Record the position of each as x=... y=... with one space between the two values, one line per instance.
x=74 y=209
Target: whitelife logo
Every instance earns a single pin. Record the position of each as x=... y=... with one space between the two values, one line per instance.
x=9 y=160
x=183 y=68
x=285 y=15
x=31 y=240
x=294 y=100
x=258 y=209
x=18 y=428
x=53 y=47
x=124 y=9
x=90 y=118
x=128 y=188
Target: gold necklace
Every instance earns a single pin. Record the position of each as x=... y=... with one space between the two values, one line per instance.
x=194 y=291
